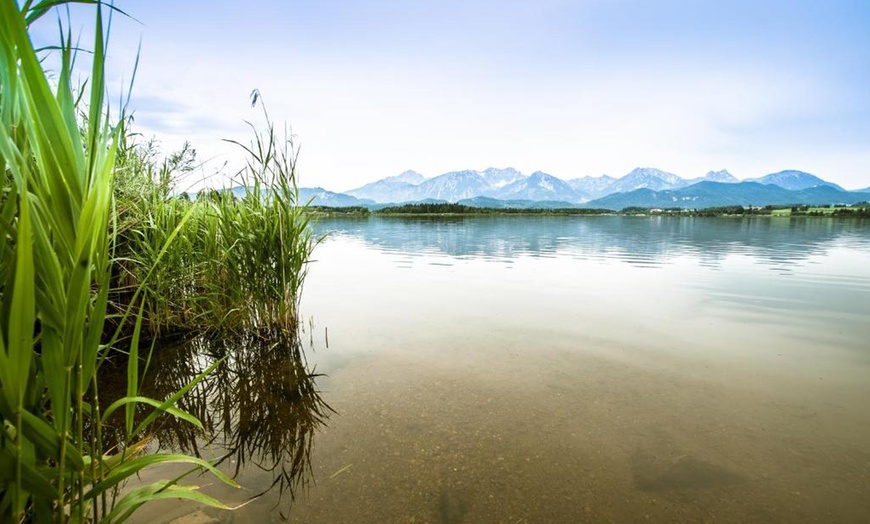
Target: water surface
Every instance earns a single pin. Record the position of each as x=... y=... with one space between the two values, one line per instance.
x=565 y=369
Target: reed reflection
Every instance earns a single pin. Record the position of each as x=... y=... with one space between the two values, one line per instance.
x=260 y=407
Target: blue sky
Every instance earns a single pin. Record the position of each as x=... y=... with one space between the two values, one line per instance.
x=573 y=88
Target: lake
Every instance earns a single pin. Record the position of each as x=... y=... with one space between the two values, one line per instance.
x=554 y=369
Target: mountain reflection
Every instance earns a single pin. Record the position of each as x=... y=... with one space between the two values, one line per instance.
x=643 y=241
x=260 y=407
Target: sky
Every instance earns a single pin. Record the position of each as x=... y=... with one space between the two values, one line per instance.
x=369 y=89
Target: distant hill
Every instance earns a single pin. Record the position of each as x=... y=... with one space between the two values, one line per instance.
x=718 y=194
x=321 y=197
x=539 y=186
x=498 y=178
x=453 y=186
x=495 y=203
x=592 y=186
x=409 y=177
x=397 y=188
x=646 y=178
x=794 y=180
x=715 y=176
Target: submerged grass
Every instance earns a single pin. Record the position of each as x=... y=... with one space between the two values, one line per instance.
x=91 y=235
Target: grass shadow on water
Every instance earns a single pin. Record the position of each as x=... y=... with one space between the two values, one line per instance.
x=452 y=507
x=260 y=408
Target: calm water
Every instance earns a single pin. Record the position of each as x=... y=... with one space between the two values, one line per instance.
x=557 y=369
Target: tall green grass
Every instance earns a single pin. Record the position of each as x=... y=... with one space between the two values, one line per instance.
x=56 y=273
x=240 y=259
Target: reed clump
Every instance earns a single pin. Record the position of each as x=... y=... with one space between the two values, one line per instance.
x=240 y=259
x=91 y=237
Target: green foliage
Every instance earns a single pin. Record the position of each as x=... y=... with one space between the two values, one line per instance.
x=859 y=210
x=56 y=273
x=333 y=211
x=439 y=208
x=732 y=211
x=445 y=208
x=634 y=210
x=238 y=263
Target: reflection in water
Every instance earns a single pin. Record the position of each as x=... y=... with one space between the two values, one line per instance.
x=260 y=407
x=545 y=375
x=640 y=241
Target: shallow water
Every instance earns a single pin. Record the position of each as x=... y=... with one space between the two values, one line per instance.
x=564 y=369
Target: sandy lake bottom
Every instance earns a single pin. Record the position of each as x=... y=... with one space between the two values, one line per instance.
x=566 y=370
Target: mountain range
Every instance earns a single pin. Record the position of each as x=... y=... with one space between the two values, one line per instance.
x=717 y=194
x=642 y=187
